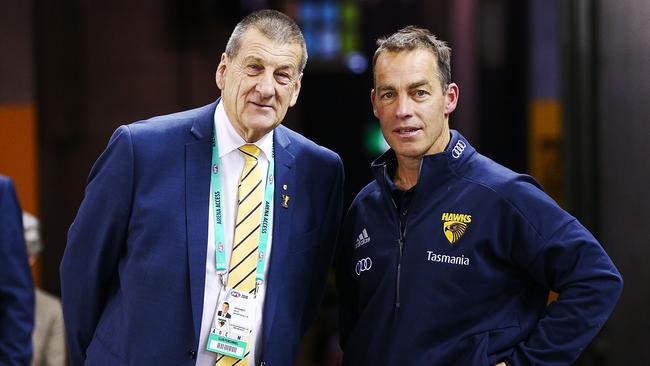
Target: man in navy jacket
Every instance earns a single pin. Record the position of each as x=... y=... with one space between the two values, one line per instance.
x=16 y=288
x=138 y=275
x=447 y=257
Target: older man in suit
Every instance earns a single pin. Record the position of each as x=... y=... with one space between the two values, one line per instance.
x=221 y=203
x=16 y=289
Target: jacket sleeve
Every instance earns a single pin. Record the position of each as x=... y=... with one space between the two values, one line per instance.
x=16 y=288
x=572 y=263
x=96 y=240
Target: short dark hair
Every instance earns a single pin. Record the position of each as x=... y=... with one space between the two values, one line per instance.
x=410 y=38
x=275 y=25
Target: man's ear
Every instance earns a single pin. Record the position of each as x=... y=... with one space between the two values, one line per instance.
x=296 y=91
x=372 y=100
x=221 y=71
x=451 y=98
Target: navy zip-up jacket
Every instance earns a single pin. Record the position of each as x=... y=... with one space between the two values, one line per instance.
x=465 y=280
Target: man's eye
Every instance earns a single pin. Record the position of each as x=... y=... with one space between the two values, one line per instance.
x=421 y=93
x=254 y=67
x=283 y=77
x=387 y=95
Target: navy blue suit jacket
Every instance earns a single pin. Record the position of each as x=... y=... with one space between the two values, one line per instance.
x=133 y=272
x=16 y=288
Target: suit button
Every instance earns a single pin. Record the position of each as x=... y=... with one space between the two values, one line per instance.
x=192 y=354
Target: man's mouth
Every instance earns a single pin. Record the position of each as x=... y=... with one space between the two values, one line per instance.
x=406 y=131
x=260 y=105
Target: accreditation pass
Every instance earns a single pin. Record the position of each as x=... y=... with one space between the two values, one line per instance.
x=232 y=324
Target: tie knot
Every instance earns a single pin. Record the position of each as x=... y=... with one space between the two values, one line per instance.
x=250 y=152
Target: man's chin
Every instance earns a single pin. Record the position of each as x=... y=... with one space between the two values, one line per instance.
x=260 y=126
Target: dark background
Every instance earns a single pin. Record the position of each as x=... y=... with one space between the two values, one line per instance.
x=85 y=67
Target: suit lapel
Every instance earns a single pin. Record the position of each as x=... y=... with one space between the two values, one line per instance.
x=284 y=175
x=197 y=186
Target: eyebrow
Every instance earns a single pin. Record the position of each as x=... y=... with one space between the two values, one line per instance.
x=260 y=61
x=418 y=84
x=382 y=88
x=411 y=86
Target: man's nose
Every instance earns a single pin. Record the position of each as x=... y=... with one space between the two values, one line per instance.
x=404 y=107
x=265 y=85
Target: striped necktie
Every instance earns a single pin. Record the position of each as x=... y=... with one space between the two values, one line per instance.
x=243 y=260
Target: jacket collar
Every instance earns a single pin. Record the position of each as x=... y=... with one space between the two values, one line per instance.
x=198 y=155
x=276 y=285
x=457 y=152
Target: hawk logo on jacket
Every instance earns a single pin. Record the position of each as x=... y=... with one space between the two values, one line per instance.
x=454 y=225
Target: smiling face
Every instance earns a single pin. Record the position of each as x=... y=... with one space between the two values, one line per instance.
x=259 y=83
x=412 y=108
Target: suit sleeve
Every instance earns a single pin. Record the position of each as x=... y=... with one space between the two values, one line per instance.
x=572 y=263
x=16 y=288
x=332 y=220
x=96 y=240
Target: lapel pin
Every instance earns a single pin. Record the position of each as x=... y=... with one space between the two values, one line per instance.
x=285 y=201
x=284 y=186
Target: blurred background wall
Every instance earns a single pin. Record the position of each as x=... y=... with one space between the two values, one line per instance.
x=558 y=89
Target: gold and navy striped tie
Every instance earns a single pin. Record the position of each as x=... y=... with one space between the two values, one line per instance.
x=243 y=260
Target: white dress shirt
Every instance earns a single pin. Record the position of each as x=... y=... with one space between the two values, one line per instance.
x=232 y=164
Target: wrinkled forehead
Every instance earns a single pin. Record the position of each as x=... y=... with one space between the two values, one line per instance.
x=256 y=46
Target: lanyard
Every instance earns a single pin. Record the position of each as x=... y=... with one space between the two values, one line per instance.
x=217 y=205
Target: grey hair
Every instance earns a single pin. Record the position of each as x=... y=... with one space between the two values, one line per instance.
x=410 y=38
x=275 y=25
x=32 y=234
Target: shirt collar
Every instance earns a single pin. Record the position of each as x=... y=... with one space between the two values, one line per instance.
x=229 y=140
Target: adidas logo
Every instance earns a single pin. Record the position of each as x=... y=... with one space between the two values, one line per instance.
x=362 y=239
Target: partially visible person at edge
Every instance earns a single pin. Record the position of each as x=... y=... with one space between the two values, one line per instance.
x=16 y=287
x=447 y=257
x=148 y=257
x=48 y=337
